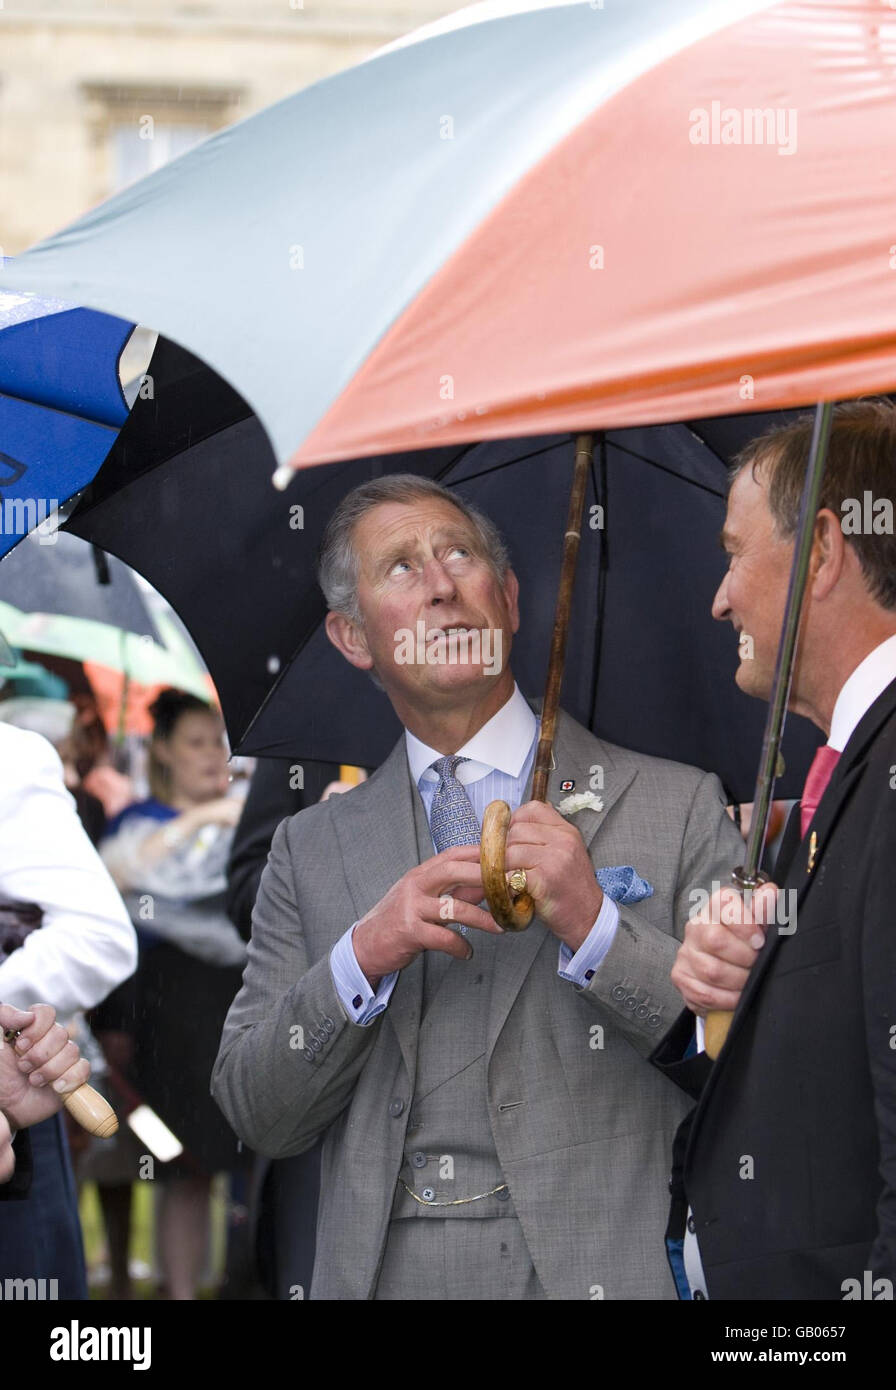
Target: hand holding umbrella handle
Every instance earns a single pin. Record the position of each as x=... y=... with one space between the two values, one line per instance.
x=513 y=914
x=718 y=1021
x=91 y=1110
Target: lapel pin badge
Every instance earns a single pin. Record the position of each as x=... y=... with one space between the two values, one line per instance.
x=813 y=850
x=567 y=786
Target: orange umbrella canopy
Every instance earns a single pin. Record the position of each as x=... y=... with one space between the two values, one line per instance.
x=123 y=704
x=527 y=219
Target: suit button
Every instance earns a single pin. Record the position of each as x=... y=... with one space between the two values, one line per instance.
x=321 y=1036
x=419 y=1160
x=641 y=1011
x=328 y=1025
x=654 y=1021
x=428 y=1194
x=396 y=1107
x=618 y=992
x=503 y=1195
x=308 y=1055
x=630 y=1002
x=692 y=1225
x=698 y=1295
x=315 y=1045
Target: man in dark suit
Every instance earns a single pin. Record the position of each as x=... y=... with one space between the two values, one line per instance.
x=786 y=1171
x=282 y=1192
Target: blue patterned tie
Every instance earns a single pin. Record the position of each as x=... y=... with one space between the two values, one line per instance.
x=452 y=819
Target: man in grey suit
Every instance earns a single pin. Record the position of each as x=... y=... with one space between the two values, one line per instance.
x=492 y=1127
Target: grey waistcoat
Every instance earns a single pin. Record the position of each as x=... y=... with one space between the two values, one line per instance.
x=449 y=1149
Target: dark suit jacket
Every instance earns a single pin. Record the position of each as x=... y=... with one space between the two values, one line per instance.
x=270 y=800
x=283 y=1193
x=789 y=1160
x=20 y=1182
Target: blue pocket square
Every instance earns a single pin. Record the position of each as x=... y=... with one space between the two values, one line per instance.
x=623 y=885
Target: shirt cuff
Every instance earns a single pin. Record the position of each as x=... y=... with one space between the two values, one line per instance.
x=579 y=968
x=701 y=1033
x=358 y=1000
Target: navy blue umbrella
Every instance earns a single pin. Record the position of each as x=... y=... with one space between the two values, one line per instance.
x=185 y=498
x=61 y=404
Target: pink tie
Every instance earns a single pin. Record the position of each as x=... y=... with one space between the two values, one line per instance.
x=823 y=764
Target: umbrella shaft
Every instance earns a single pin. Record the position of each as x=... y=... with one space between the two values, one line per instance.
x=543 y=757
x=777 y=708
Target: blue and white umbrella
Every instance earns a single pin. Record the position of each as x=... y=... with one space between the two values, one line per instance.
x=61 y=404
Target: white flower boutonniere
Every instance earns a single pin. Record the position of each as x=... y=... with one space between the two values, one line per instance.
x=580 y=802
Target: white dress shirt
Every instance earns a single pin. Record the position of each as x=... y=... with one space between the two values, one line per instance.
x=500 y=755
x=86 y=944
x=868 y=681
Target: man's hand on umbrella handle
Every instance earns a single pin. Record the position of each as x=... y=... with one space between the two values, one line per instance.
x=559 y=872
x=720 y=947
x=40 y=1068
x=413 y=915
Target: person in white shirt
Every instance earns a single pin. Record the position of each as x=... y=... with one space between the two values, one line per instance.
x=786 y=1171
x=86 y=944
x=83 y=947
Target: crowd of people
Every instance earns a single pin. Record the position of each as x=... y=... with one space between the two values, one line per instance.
x=308 y=992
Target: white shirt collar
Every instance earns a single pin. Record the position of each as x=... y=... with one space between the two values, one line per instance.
x=503 y=743
x=870 y=679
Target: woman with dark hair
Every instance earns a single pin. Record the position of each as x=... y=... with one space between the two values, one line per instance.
x=168 y=855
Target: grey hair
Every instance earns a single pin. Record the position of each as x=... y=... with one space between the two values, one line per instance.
x=338 y=566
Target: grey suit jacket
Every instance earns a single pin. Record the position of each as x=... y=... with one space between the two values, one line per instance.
x=583 y=1124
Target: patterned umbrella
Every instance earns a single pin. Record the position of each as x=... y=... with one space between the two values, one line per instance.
x=526 y=220
x=61 y=404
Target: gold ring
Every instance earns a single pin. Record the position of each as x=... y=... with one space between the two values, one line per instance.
x=517 y=881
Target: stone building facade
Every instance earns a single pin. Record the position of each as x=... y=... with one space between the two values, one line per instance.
x=94 y=95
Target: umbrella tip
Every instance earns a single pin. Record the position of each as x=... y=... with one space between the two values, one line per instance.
x=283 y=477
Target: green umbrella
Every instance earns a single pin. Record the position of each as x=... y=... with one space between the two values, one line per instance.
x=83 y=639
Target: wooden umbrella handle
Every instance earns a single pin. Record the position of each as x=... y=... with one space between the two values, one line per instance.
x=92 y=1112
x=515 y=913
x=718 y=1021
x=716 y=1031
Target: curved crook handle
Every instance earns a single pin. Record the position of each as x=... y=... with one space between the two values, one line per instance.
x=513 y=914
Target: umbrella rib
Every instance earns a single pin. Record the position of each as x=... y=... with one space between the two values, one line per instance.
x=691 y=482
x=633 y=453
x=496 y=467
x=705 y=442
